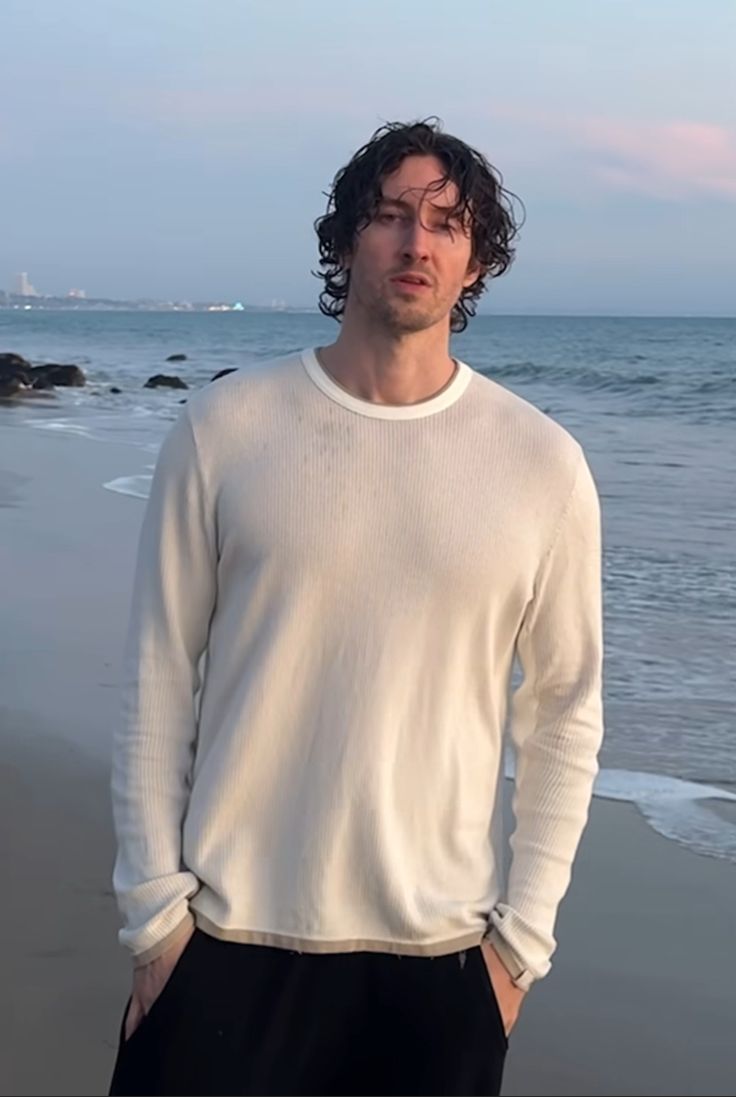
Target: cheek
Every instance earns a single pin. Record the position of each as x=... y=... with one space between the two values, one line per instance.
x=368 y=255
x=376 y=261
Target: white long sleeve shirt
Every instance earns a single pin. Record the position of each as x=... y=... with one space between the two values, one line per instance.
x=328 y=599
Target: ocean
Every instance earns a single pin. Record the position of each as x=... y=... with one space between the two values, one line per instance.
x=652 y=401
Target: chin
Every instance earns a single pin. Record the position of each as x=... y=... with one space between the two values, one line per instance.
x=407 y=318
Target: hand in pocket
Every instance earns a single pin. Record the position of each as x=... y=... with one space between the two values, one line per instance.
x=150 y=980
x=508 y=995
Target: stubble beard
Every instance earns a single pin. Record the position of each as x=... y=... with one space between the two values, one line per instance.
x=405 y=317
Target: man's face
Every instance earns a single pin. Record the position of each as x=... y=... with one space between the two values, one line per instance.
x=410 y=264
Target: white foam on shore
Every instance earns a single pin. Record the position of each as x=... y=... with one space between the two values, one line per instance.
x=138 y=428
x=139 y=486
x=675 y=808
x=66 y=426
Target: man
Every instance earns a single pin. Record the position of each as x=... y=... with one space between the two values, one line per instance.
x=358 y=539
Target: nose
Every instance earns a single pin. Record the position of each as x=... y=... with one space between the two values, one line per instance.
x=415 y=244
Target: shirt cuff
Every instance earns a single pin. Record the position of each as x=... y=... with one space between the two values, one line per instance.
x=521 y=977
x=186 y=926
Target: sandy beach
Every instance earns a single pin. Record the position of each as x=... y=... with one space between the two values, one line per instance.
x=641 y=998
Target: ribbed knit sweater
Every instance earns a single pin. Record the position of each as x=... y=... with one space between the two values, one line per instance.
x=328 y=600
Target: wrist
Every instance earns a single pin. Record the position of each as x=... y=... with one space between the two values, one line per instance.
x=518 y=973
x=179 y=935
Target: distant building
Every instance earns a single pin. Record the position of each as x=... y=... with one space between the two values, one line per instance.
x=23 y=287
x=80 y=293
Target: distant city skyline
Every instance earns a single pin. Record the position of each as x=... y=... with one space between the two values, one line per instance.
x=23 y=294
x=22 y=288
x=183 y=150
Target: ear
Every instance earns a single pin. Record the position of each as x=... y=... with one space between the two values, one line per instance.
x=475 y=271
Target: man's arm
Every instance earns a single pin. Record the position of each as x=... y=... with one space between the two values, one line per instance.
x=556 y=727
x=172 y=604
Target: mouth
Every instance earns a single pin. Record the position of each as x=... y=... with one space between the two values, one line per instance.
x=411 y=281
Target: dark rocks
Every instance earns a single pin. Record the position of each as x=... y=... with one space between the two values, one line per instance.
x=13 y=364
x=11 y=386
x=56 y=375
x=40 y=377
x=161 y=380
x=177 y=358
x=42 y=381
x=19 y=378
x=222 y=373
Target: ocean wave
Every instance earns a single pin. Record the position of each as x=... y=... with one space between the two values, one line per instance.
x=674 y=807
x=680 y=392
x=609 y=381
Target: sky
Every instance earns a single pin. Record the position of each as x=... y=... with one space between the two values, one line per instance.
x=181 y=149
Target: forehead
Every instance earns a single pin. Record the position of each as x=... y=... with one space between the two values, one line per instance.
x=419 y=178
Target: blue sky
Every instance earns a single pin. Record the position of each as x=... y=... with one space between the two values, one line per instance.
x=180 y=149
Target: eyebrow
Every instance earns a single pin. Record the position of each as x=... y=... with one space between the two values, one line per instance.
x=445 y=210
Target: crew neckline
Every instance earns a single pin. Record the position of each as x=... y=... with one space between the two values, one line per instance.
x=445 y=398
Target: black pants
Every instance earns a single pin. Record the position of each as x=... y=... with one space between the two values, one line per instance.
x=246 y=1019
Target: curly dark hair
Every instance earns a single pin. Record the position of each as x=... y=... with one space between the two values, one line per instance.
x=356 y=192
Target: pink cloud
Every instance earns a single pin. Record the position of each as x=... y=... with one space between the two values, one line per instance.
x=674 y=159
x=669 y=160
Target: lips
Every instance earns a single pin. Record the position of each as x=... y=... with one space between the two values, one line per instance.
x=411 y=279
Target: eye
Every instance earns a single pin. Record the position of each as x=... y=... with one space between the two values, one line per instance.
x=388 y=218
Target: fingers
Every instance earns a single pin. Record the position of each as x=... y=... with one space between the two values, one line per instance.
x=134 y=1018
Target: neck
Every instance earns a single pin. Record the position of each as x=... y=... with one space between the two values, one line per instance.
x=377 y=365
